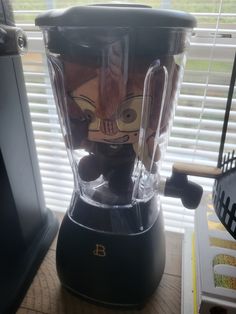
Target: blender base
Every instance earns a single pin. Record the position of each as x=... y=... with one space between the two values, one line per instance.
x=112 y=269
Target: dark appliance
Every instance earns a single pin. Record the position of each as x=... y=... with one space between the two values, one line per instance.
x=27 y=227
x=115 y=72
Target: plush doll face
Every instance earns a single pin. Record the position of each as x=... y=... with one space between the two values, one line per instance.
x=109 y=93
x=104 y=103
x=113 y=118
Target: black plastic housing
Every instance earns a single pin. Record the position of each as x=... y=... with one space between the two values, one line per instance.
x=111 y=268
x=27 y=227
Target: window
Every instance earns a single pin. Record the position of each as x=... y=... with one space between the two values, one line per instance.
x=197 y=125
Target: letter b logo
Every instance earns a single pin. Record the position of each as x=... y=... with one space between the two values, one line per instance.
x=100 y=250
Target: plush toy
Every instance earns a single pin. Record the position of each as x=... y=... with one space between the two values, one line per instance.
x=104 y=100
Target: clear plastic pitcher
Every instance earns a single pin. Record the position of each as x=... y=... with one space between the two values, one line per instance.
x=115 y=74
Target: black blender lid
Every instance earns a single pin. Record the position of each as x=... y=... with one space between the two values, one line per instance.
x=116 y=15
x=87 y=30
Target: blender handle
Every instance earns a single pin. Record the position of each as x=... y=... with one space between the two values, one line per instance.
x=179 y=186
x=197 y=170
x=189 y=192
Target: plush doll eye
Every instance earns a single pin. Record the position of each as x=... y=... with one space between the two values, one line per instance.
x=89 y=112
x=128 y=115
x=90 y=115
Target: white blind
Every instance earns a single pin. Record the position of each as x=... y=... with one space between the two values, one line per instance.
x=196 y=130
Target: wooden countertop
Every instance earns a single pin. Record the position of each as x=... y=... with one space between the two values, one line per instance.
x=46 y=296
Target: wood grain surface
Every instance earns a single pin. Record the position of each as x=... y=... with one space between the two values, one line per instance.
x=46 y=295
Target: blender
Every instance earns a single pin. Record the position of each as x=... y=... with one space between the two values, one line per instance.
x=115 y=72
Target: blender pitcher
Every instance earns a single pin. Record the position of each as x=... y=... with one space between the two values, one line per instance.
x=115 y=72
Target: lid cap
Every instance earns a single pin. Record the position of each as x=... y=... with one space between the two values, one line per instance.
x=116 y=15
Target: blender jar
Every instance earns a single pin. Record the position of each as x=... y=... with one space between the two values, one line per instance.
x=115 y=79
x=115 y=72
